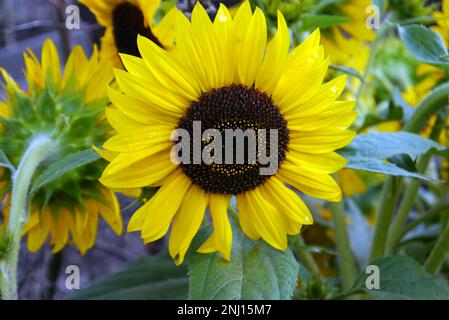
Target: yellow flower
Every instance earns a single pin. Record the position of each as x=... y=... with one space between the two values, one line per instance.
x=124 y=20
x=428 y=76
x=356 y=10
x=68 y=106
x=224 y=75
x=349 y=52
x=442 y=20
x=350 y=182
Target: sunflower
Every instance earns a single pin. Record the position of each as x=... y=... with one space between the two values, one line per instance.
x=442 y=20
x=356 y=27
x=70 y=108
x=223 y=74
x=124 y=20
x=349 y=44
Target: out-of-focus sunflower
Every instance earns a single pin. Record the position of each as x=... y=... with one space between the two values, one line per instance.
x=346 y=51
x=348 y=44
x=124 y=20
x=223 y=74
x=442 y=20
x=350 y=182
x=356 y=11
x=70 y=108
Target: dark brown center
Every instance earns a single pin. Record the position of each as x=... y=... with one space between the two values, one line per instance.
x=234 y=107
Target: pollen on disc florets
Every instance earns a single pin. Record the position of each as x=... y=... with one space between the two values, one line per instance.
x=128 y=22
x=233 y=107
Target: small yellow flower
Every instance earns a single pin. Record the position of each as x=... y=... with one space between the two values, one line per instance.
x=124 y=20
x=69 y=107
x=223 y=74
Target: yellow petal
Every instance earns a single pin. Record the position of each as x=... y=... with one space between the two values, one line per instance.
x=142 y=173
x=320 y=141
x=314 y=184
x=187 y=222
x=252 y=50
x=221 y=238
x=265 y=219
x=273 y=64
x=154 y=217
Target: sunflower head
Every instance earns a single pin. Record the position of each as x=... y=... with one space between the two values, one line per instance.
x=223 y=81
x=124 y=20
x=68 y=107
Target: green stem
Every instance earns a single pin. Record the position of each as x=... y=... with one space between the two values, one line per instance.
x=406 y=205
x=3 y=287
x=439 y=253
x=435 y=100
x=347 y=261
x=384 y=215
x=444 y=220
x=299 y=247
x=37 y=151
x=419 y=20
x=435 y=212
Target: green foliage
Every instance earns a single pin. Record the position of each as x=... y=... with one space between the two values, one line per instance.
x=401 y=277
x=4 y=161
x=410 y=8
x=155 y=277
x=256 y=270
x=369 y=151
x=63 y=166
x=6 y=243
x=425 y=45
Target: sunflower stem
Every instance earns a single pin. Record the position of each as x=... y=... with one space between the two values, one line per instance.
x=394 y=233
x=37 y=151
x=384 y=215
x=299 y=247
x=439 y=253
x=347 y=261
x=430 y=105
x=435 y=100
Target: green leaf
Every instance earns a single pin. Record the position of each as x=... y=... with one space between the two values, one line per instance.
x=425 y=45
x=256 y=270
x=59 y=168
x=369 y=151
x=154 y=277
x=322 y=21
x=401 y=277
x=5 y=163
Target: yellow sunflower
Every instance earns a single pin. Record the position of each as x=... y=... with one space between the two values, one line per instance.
x=223 y=75
x=69 y=107
x=442 y=20
x=356 y=11
x=124 y=20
